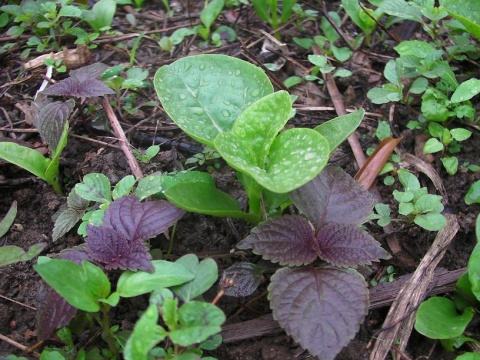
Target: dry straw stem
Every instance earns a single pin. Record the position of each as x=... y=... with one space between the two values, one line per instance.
x=398 y=324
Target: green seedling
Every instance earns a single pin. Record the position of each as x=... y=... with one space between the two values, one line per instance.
x=272 y=13
x=417 y=204
x=244 y=125
x=189 y=328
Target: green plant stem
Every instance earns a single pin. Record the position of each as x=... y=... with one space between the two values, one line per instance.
x=107 y=335
x=171 y=240
x=254 y=194
x=56 y=186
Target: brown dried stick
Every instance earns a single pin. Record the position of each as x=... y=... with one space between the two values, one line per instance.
x=340 y=109
x=122 y=139
x=401 y=316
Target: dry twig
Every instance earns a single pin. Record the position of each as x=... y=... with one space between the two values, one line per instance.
x=123 y=141
x=401 y=316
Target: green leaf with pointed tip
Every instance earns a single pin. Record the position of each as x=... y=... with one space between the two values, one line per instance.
x=165 y=274
x=204 y=198
x=51 y=173
x=24 y=157
x=204 y=94
x=278 y=163
x=8 y=219
x=11 y=254
x=338 y=129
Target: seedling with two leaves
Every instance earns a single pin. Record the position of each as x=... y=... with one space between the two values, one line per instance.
x=312 y=301
x=244 y=126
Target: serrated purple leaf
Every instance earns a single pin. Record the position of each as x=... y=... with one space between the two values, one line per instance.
x=288 y=240
x=83 y=89
x=82 y=83
x=77 y=254
x=141 y=220
x=119 y=242
x=333 y=196
x=50 y=120
x=93 y=71
x=115 y=251
x=347 y=245
x=320 y=308
x=241 y=279
x=53 y=312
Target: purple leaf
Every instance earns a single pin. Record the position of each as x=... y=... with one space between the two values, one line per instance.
x=333 y=196
x=347 y=245
x=288 y=240
x=50 y=120
x=141 y=220
x=82 y=83
x=241 y=279
x=113 y=250
x=119 y=242
x=53 y=312
x=92 y=71
x=320 y=308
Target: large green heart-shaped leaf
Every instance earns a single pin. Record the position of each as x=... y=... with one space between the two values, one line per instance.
x=278 y=163
x=204 y=94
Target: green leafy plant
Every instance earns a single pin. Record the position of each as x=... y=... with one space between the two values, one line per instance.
x=188 y=325
x=244 y=126
x=417 y=204
x=446 y=319
x=272 y=13
x=52 y=123
x=48 y=19
x=208 y=15
x=366 y=19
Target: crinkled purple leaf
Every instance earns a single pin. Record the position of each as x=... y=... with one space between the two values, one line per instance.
x=50 y=120
x=82 y=82
x=288 y=240
x=333 y=196
x=141 y=220
x=53 y=312
x=92 y=71
x=83 y=89
x=119 y=242
x=347 y=245
x=320 y=308
x=241 y=279
x=114 y=251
